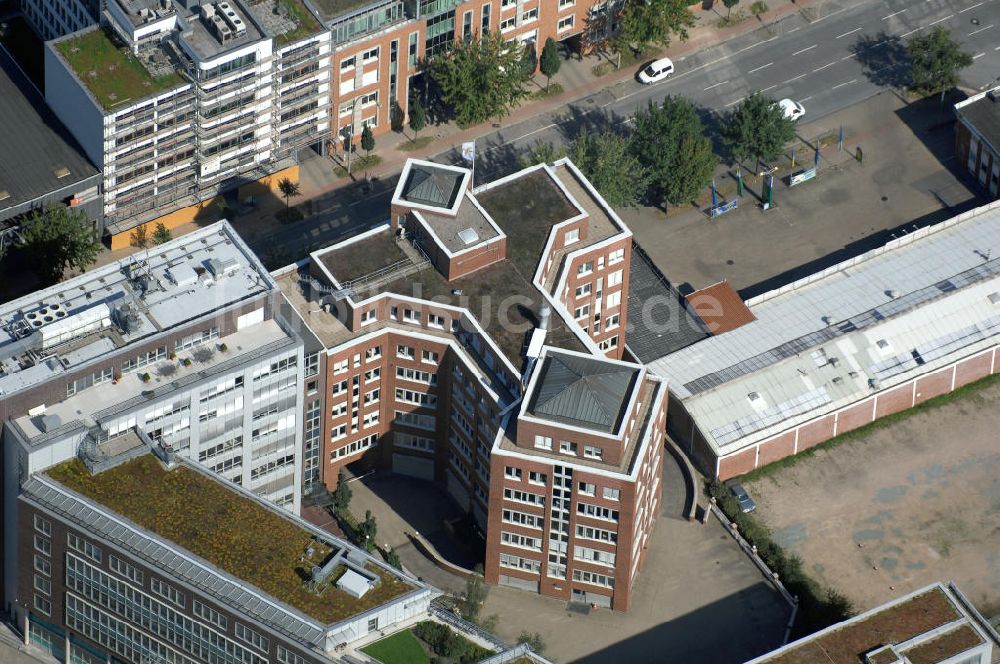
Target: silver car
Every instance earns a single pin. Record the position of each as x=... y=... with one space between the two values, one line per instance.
x=746 y=503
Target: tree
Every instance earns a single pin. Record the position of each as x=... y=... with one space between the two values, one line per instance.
x=729 y=7
x=550 y=61
x=161 y=234
x=757 y=128
x=367 y=140
x=534 y=641
x=475 y=594
x=288 y=189
x=543 y=153
x=481 y=79
x=139 y=237
x=607 y=161
x=418 y=117
x=59 y=238
x=342 y=494
x=646 y=22
x=936 y=59
x=669 y=141
x=367 y=530
x=392 y=558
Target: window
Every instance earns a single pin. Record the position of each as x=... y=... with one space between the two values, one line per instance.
x=209 y=614
x=435 y=321
x=612 y=321
x=373 y=353
x=369 y=316
x=612 y=494
x=522 y=519
x=508 y=24
x=467 y=26
x=583 y=290
x=587 y=489
x=370 y=420
x=543 y=442
x=616 y=256
x=373 y=374
x=372 y=624
x=418 y=398
x=404 y=352
x=196 y=339
x=581 y=312
x=373 y=396
x=594 y=556
x=512 y=473
x=608 y=344
x=369 y=99
x=348 y=63
x=567 y=447
x=615 y=278
x=566 y=3
x=565 y=23
x=429 y=356
x=517 y=562
x=411 y=316
x=124 y=569
x=43 y=545
x=167 y=591
x=523 y=497
x=522 y=541
x=592 y=452
x=537 y=478
x=43 y=565
x=529 y=15
x=593 y=578
x=338 y=388
x=504 y=4
x=416 y=375
x=286 y=656
x=370 y=55
x=44 y=526
x=413 y=442
x=43 y=605
x=248 y=635
x=77 y=543
x=486 y=19
x=43 y=585
x=598 y=534
x=597 y=512
x=585 y=268
x=614 y=300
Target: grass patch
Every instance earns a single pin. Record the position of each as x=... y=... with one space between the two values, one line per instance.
x=735 y=18
x=358 y=165
x=881 y=423
x=819 y=606
x=305 y=22
x=111 y=74
x=400 y=648
x=415 y=144
x=240 y=537
x=364 y=257
x=602 y=69
x=552 y=90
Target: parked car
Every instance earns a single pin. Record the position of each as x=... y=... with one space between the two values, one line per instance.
x=746 y=503
x=656 y=71
x=793 y=110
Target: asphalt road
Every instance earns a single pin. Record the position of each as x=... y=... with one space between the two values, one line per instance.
x=851 y=52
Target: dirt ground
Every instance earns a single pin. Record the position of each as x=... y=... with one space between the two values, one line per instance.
x=907 y=505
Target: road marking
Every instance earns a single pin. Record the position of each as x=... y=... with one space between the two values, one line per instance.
x=978 y=55
x=976 y=32
x=840 y=85
x=806 y=49
x=997 y=48
x=884 y=18
x=907 y=34
x=847 y=57
x=793 y=79
x=830 y=64
x=962 y=11
x=715 y=85
x=770 y=87
x=759 y=68
x=805 y=99
x=851 y=32
x=747 y=48
x=794 y=29
x=940 y=19
x=833 y=13
x=733 y=103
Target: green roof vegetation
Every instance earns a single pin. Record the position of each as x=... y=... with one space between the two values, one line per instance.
x=333 y=8
x=305 y=23
x=400 y=648
x=364 y=257
x=111 y=74
x=237 y=535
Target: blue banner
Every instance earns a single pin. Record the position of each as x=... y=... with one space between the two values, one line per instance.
x=724 y=208
x=801 y=176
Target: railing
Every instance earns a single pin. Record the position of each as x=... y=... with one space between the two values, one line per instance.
x=446 y=615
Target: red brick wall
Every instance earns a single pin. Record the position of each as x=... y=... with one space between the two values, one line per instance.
x=738 y=464
x=933 y=385
x=815 y=433
x=777 y=448
x=973 y=369
x=855 y=416
x=894 y=400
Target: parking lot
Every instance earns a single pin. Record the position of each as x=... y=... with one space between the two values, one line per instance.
x=907 y=174
x=914 y=502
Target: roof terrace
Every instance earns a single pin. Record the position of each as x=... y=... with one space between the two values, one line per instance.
x=239 y=536
x=110 y=73
x=287 y=20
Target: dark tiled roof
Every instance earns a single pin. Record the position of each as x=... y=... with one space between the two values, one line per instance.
x=721 y=308
x=984 y=115
x=582 y=391
x=432 y=186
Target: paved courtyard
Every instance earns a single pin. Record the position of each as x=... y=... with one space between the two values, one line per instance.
x=908 y=170
x=912 y=503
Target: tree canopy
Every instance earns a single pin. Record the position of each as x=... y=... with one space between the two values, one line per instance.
x=670 y=142
x=482 y=78
x=550 y=61
x=608 y=162
x=59 y=238
x=643 y=23
x=757 y=128
x=418 y=117
x=367 y=139
x=936 y=59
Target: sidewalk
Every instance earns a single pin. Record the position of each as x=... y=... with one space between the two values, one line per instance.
x=577 y=80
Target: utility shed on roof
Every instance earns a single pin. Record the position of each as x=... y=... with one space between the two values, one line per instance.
x=432 y=186
x=721 y=308
x=40 y=162
x=582 y=391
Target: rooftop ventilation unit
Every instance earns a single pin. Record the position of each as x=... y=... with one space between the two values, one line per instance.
x=182 y=275
x=207 y=11
x=223 y=268
x=65 y=329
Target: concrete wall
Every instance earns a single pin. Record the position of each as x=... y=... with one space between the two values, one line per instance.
x=74 y=106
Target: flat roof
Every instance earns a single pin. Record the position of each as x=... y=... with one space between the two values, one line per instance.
x=830 y=339
x=57 y=329
x=110 y=72
x=927 y=626
x=38 y=155
x=202 y=39
x=587 y=392
x=292 y=21
x=982 y=111
x=244 y=538
x=467 y=228
x=333 y=9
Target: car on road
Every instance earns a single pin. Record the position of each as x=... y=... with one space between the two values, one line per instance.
x=792 y=109
x=656 y=71
x=746 y=503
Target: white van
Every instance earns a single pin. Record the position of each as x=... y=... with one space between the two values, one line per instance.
x=656 y=71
